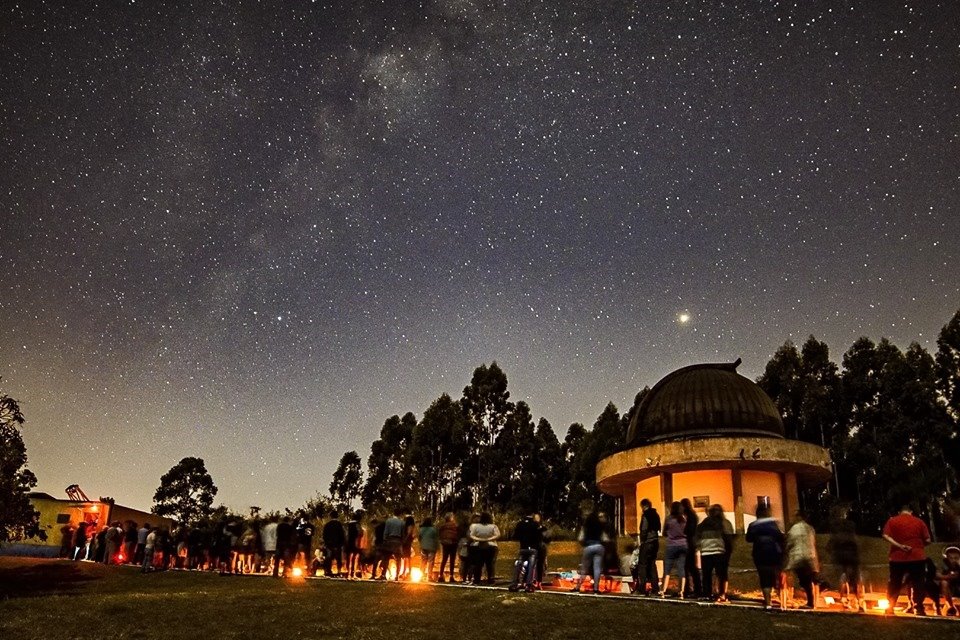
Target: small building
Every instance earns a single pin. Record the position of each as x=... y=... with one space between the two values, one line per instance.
x=706 y=433
x=55 y=514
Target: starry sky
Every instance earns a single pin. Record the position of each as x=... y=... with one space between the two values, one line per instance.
x=251 y=231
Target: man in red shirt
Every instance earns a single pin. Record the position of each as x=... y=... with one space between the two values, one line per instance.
x=907 y=535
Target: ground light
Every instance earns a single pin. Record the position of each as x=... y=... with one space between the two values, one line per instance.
x=297 y=572
x=883 y=604
x=416 y=575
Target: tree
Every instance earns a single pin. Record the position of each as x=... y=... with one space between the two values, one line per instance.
x=550 y=475
x=948 y=384
x=389 y=476
x=186 y=492
x=347 y=479
x=896 y=433
x=486 y=403
x=511 y=459
x=438 y=449
x=18 y=519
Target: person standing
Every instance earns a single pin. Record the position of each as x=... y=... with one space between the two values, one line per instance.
x=286 y=547
x=392 y=543
x=429 y=539
x=268 y=538
x=80 y=542
x=483 y=538
x=845 y=554
x=907 y=535
x=449 y=535
x=130 y=541
x=334 y=538
x=591 y=537
x=715 y=543
x=66 y=541
x=354 y=546
x=802 y=559
x=142 y=534
x=768 y=540
x=149 y=546
x=529 y=535
x=649 y=550
x=675 y=555
x=694 y=584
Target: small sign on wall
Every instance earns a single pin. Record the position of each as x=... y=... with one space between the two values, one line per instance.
x=701 y=502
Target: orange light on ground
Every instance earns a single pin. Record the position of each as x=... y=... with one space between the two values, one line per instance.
x=297 y=572
x=883 y=604
x=829 y=600
x=416 y=575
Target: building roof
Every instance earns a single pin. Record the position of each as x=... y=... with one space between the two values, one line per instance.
x=702 y=401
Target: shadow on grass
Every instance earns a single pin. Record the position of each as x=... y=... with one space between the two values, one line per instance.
x=31 y=578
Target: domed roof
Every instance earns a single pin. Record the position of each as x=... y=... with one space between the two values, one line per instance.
x=702 y=401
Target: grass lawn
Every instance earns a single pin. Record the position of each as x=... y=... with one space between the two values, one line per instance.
x=63 y=600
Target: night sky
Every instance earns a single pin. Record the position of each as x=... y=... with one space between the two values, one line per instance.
x=251 y=231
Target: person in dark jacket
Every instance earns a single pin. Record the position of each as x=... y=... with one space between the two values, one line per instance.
x=768 y=546
x=334 y=538
x=648 y=581
x=449 y=536
x=529 y=535
x=286 y=547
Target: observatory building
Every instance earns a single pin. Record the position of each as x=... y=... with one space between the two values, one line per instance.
x=706 y=433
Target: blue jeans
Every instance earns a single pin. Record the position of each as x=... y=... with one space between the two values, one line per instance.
x=674 y=556
x=528 y=556
x=592 y=559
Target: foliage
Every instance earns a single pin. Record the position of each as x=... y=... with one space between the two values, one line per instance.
x=186 y=492
x=18 y=519
x=347 y=479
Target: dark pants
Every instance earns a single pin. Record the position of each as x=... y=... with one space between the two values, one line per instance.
x=485 y=559
x=806 y=576
x=647 y=566
x=286 y=555
x=449 y=552
x=694 y=584
x=330 y=555
x=897 y=572
x=718 y=563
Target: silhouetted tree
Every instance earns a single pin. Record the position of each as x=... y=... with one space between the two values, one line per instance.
x=186 y=492
x=486 y=404
x=347 y=479
x=18 y=519
x=439 y=446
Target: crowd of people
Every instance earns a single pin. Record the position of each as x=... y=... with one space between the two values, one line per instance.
x=696 y=552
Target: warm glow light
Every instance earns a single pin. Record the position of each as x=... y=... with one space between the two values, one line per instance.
x=883 y=604
x=683 y=318
x=297 y=572
x=829 y=600
x=121 y=558
x=416 y=575
x=95 y=508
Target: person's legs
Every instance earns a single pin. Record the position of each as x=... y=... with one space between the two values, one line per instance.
x=597 y=551
x=490 y=561
x=917 y=573
x=693 y=573
x=531 y=568
x=897 y=571
x=708 y=564
x=723 y=576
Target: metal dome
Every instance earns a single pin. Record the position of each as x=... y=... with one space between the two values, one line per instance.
x=702 y=401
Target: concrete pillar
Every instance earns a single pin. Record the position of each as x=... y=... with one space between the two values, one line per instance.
x=791 y=501
x=631 y=523
x=666 y=493
x=738 y=502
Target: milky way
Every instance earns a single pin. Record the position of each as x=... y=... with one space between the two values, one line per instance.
x=251 y=231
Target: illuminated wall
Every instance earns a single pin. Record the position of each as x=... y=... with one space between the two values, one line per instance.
x=714 y=485
x=761 y=483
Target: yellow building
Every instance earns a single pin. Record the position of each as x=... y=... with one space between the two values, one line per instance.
x=55 y=514
x=706 y=433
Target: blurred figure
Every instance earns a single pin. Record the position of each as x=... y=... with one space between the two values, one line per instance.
x=334 y=540
x=142 y=533
x=80 y=541
x=67 y=532
x=949 y=578
x=130 y=542
x=529 y=535
x=406 y=546
x=844 y=553
x=802 y=559
x=768 y=540
x=354 y=546
x=692 y=571
x=429 y=539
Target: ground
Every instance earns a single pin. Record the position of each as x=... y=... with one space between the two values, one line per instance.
x=64 y=600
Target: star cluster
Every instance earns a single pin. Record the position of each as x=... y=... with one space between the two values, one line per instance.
x=250 y=231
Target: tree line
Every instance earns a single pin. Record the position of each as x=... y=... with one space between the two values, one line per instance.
x=889 y=418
